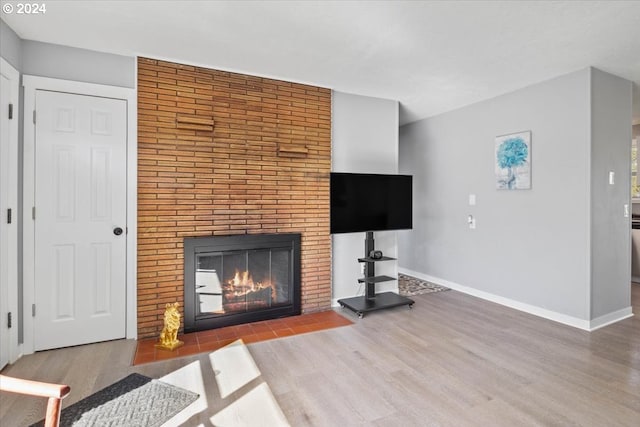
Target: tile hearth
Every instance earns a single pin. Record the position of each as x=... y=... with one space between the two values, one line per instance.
x=213 y=339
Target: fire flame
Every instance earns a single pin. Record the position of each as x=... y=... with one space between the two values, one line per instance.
x=245 y=281
x=242 y=283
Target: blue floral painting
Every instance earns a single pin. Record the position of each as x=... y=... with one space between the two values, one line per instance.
x=513 y=161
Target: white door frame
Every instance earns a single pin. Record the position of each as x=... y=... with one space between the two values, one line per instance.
x=31 y=85
x=12 y=302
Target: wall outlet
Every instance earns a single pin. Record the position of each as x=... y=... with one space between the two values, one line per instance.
x=472 y=199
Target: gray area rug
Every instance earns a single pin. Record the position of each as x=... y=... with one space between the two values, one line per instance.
x=135 y=400
x=409 y=286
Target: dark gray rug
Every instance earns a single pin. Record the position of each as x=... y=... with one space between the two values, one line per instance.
x=409 y=286
x=135 y=400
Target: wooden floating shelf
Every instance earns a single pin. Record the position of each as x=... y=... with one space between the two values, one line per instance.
x=195 y=123
x=288 y=150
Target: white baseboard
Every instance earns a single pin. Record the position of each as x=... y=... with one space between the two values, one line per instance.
x=527 y=308
x=607 y=319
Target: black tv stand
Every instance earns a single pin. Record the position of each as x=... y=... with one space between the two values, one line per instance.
x=371 y=301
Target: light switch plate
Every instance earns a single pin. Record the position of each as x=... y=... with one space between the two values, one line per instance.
x=472 y=222
x=472 y=199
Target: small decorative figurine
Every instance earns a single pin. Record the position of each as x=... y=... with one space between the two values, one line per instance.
x=169 y=334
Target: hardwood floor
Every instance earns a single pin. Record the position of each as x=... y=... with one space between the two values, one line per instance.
x=454 y=360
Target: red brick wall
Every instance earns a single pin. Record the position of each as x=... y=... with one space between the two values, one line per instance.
x=223 y=153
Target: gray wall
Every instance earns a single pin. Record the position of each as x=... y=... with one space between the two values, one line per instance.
x=69 y=63
x=364 y=139
x=610 y=237
x=10 y=48
x=63 y=62
x=530 y=246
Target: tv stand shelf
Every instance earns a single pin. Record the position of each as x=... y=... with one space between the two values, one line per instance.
x=384 y=258
x=371 y=301
x=362 y=305
x=375 y=279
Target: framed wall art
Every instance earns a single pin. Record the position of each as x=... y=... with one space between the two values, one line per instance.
x=513 y=161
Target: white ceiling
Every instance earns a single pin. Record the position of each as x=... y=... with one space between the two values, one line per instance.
x=432 y=56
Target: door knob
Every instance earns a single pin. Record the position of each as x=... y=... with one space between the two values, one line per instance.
x=117 y=231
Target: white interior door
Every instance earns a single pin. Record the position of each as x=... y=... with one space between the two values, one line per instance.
x=80 y=219
x=9 y=85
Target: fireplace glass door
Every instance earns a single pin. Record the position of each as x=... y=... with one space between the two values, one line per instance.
x=242 y=281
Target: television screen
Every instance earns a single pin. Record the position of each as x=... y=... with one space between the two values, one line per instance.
x=370 y=202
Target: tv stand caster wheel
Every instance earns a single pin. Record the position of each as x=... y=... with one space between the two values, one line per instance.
x=341 y=304
x=410 y=306
x=360 y=315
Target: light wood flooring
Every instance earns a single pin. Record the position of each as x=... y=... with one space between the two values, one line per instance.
x=454 y=360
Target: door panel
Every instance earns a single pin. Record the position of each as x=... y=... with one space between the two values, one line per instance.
x=101 y=278
x=80 y=198
x=64 y=172
x=63 y=282
x=100 y=180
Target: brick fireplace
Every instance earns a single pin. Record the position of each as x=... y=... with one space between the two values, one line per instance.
x=223 y=154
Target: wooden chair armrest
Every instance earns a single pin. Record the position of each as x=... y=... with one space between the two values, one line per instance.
x=54 y=392
x=33 y=388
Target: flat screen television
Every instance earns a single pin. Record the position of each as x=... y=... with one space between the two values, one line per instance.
x=370 y=202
